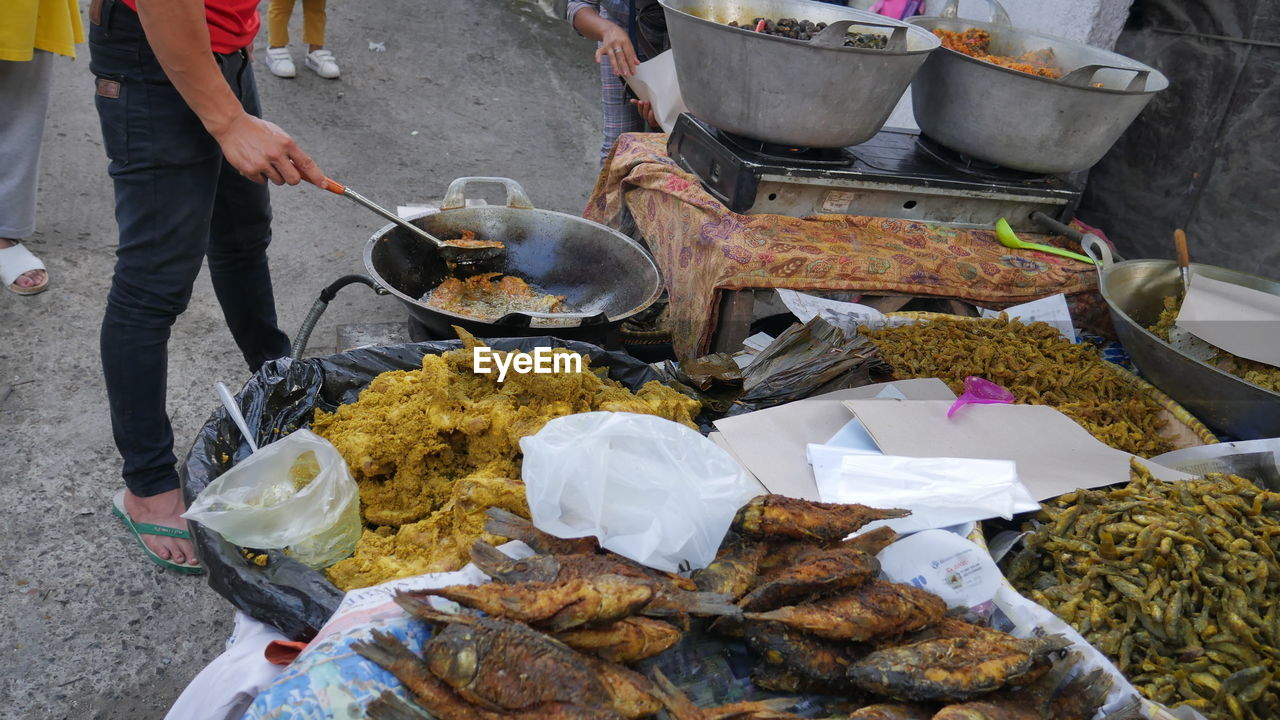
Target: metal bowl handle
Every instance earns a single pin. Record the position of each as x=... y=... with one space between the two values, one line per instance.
x=999 y=16
x=1083 y=76
x=1098 y=251
x=455 y=197
x=832 y=36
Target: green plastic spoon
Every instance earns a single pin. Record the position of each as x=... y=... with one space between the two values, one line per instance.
x=1005 y=234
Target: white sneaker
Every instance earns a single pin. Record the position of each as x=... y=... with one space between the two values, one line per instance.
x=323 y=63
x=280 y=62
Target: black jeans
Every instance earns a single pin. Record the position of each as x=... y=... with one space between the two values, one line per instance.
x=177 y=201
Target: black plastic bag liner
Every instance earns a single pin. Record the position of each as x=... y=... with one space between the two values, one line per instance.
x=282 y=397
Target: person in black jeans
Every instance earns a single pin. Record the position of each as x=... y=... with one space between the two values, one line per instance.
x=189 y=156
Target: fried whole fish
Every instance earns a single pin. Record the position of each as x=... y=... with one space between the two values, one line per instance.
x=780 y=517
x=822 y=571
x=552 y=568
x=947 y=627
x=735 y=569
x=438 y=698
x=625 y=641
x=873 y=610
x=680 y=707
x=893 y=711
x=1047 y=698
x=954 y=669
x=513 y=527
x=824 y=662
x=553 y=606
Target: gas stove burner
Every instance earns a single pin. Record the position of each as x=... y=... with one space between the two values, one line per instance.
x=812 y=157
x=960 y=162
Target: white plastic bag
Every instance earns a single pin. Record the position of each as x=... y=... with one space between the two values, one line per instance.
x=255 y=504
x=649 y=489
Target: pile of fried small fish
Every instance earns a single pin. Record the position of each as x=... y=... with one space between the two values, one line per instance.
x=1038 y=365
x=432 y=448
x=556 y=631
x=1251 y=371
x=1178 y=583
x=821 y=623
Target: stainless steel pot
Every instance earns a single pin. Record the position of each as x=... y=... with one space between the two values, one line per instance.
x=1022 y=121
x=803 y=93
x=604 y=274
x=1135 y=291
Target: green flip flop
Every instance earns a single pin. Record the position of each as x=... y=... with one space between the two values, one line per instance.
x=140 y=529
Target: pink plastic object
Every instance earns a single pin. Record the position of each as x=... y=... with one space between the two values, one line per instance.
x=981 y=392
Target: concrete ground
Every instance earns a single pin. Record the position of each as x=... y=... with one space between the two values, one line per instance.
x=89 y=628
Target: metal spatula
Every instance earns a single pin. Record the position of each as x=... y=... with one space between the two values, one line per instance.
x=450 y=251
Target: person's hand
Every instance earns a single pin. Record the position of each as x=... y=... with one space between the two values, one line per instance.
x=261 y=151
x=616 y=46
x=645 y=108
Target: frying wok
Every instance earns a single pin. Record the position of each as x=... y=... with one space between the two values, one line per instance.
x=605 y=276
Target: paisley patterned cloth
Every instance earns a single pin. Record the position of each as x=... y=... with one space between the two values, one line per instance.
x=704 y=249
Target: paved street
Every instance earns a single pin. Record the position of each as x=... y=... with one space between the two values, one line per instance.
x=89 y=628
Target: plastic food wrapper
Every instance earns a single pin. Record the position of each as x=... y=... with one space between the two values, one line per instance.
x=939 y=492
x=281 y=398
x=980 y=391
x=255 y=504
x=649 y=489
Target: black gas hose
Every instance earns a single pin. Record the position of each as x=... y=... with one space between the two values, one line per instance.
x=318 y=307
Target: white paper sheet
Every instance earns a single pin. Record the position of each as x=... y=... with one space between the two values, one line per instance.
x=939 y=492
x=655 y=80
x=1240 y=320
x=1052 y=310
x=807 y=307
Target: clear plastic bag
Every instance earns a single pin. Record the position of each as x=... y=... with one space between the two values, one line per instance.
x=649 y=489
x=295 y=493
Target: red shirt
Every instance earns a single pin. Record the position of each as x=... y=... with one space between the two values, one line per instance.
x=232 y=23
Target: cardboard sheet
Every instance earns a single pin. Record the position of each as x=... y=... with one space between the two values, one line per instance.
x=771 y=443
x=1240 y=320
x=1054 y=455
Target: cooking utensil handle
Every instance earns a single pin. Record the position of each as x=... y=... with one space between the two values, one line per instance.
x=1083 y=76
x=999 y=16
x=832 y=36
x=455 y=197
x=1098 y=251
x=1056 y=227
x=336 y=187
x=1180 y=243
x=523 y=318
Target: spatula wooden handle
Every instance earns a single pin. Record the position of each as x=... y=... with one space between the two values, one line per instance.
x=333 y=186
x=1180 y=243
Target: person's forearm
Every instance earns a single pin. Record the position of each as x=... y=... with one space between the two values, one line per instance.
x=589 y=23
x=179 y=36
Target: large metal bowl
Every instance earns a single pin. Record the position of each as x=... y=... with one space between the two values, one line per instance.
x=605 y=275
x=1022 y=121
x=1135 y=291
x=800 y=93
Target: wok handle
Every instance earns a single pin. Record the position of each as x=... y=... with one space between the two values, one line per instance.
x=1098 y=251
x=832 y=36
x=999 y=16
x=455 y=197
x=1082 y=76
x=525 y=318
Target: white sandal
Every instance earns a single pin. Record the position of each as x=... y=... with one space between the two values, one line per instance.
x=16 y=261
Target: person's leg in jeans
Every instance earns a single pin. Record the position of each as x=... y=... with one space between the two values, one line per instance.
x=240 y=234
x=165 y=169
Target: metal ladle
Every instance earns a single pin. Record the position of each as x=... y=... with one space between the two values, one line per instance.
x=451 y=252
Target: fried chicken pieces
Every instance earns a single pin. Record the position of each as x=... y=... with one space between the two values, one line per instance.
x=431 y=449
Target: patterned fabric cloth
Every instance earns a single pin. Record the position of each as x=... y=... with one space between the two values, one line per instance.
x=703 y=248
